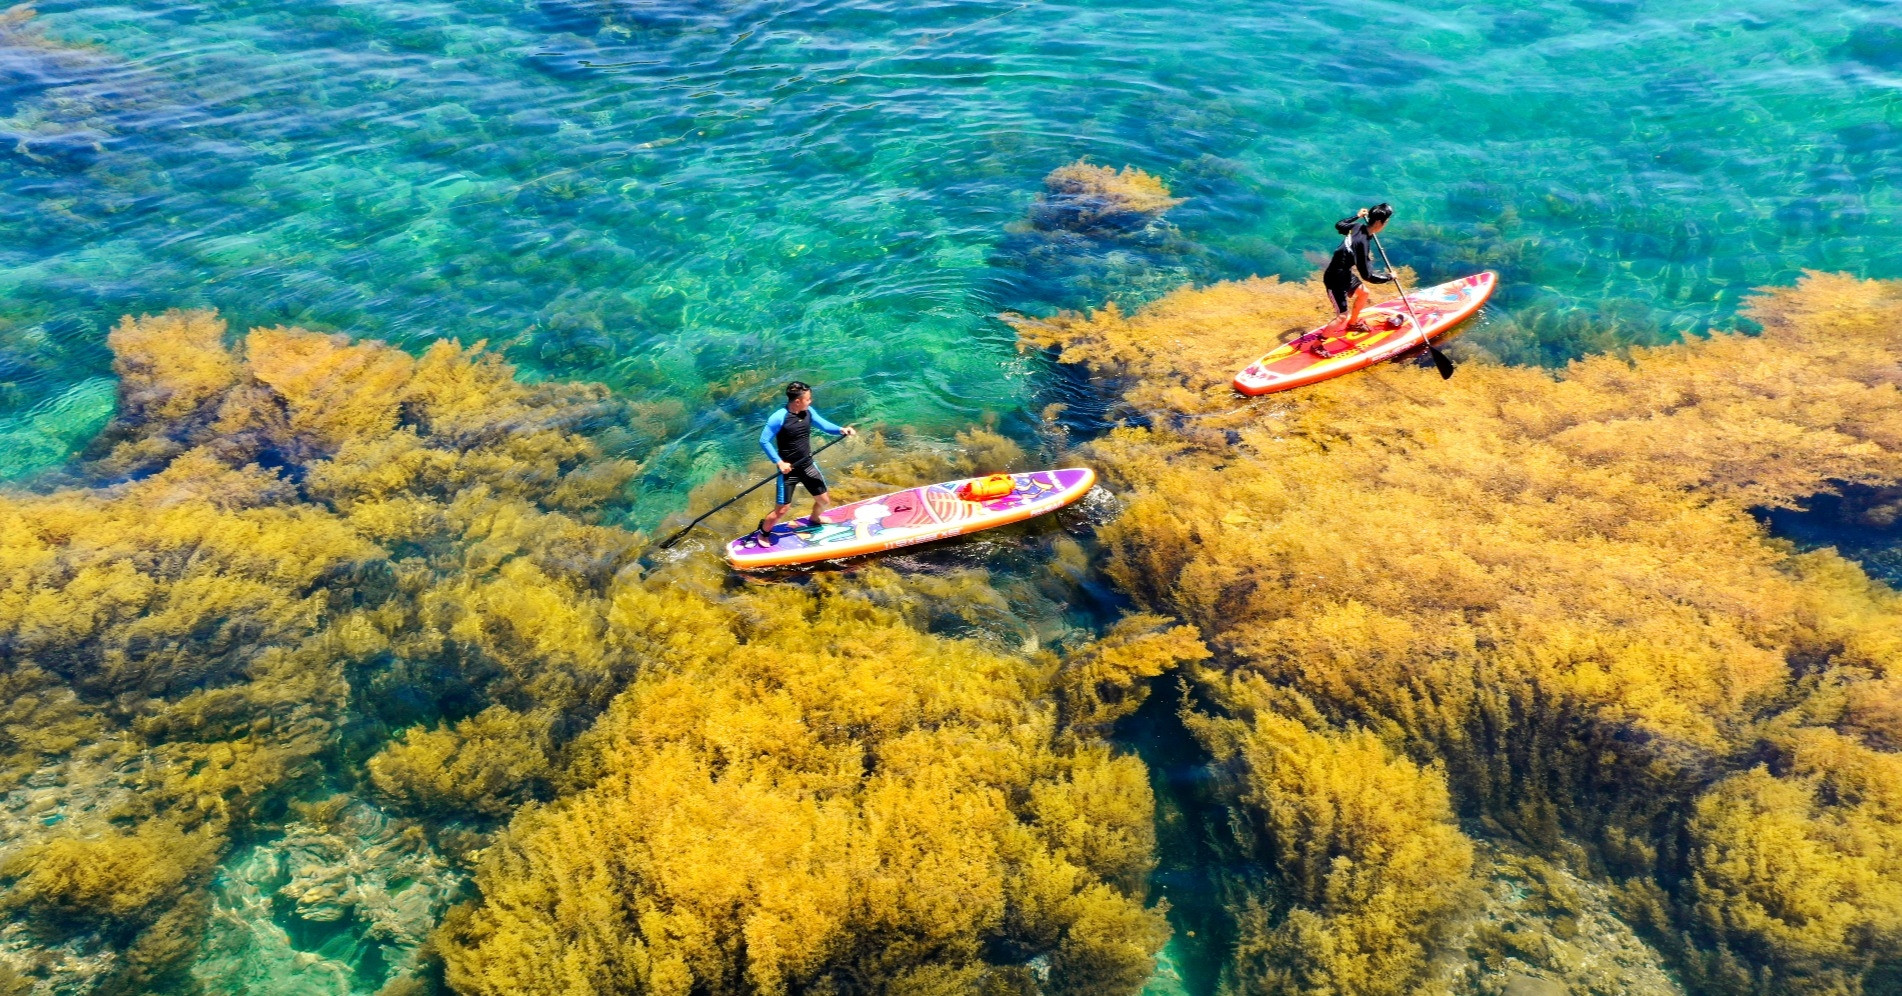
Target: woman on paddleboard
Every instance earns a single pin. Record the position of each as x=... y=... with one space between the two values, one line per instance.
x=1350 y=266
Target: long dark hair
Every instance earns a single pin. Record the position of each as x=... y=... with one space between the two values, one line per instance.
x=1379 y=212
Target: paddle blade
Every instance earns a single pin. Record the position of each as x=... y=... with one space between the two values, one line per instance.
x=1441 y=363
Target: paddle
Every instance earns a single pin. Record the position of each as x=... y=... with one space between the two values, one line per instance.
x=1440 y=362
x=675 y=538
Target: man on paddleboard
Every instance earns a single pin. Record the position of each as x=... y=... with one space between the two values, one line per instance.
x=1345 y=272
x=787 y=440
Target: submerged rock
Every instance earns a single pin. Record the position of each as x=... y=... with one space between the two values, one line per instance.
x=1544 y=931
x=340 y=904
x=77 y=793
x=62 y=104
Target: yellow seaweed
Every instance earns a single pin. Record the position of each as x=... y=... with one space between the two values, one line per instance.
x=487 y=763
x=1365 y=843
x=111 y=876
x=288 y=545
x=1807 y=865
x=828 y=795
x=1085 y=197
x=1109 y=678
x=306 y=522
x=1548 y=584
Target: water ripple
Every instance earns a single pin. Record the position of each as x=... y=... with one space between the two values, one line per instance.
x=672 y=195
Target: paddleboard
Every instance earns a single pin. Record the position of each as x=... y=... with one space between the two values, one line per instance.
x=1391 y=333
x=902 y=518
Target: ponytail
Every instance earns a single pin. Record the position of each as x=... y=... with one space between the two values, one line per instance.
x=1365 y=216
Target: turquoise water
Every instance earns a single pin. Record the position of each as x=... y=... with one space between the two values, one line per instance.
x=690 y=200
x=693 y=200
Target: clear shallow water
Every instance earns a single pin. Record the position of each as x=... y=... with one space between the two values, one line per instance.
x=691 y=200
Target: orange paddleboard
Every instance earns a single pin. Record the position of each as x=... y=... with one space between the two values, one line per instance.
x=915 y=515
x=1392 y=333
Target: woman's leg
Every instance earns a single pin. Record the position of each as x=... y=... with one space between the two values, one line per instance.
x=1338 y=297
x=1353 y=312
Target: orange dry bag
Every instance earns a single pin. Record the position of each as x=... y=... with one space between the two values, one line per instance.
x=994 y=486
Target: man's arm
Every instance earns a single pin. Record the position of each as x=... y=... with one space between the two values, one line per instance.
x=819 y=423
x=769 y=436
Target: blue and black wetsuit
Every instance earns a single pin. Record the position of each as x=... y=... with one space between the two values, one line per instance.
x=1350 y=264
x=788 y=437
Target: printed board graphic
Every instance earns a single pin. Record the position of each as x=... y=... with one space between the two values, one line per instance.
x=915 y=515
x=1390 y=332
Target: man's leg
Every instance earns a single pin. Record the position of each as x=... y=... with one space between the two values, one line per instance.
x=772 y=518
x=782 y=503
x=815 y=486
x=819 y=504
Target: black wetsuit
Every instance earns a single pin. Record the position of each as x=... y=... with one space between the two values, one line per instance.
x=788 y=437
x=1350 y=266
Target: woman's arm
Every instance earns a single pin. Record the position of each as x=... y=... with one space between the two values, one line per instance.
x=1363 y=263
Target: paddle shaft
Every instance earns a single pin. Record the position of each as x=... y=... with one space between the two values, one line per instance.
x=1440 y=361
x=675 y=538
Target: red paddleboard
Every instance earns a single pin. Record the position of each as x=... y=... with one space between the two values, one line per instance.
x=915 y=515
x=1391 y=333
